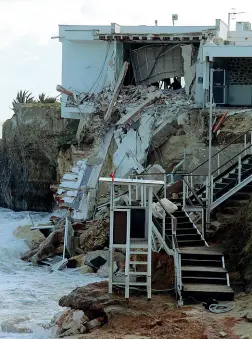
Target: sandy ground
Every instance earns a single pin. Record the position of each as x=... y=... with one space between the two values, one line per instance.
x=160 y=318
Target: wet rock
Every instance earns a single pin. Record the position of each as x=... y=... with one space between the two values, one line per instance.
x=12 y=327
x=85 y=269
x=95 y=323
x=77 y=261
x=95 y=237
x=92 y=300
x=72 y=331
x=33 y=238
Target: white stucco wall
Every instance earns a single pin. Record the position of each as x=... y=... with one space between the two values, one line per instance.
x=87 y=67
x=222 y=28
x=214 y=51
x=240 y=38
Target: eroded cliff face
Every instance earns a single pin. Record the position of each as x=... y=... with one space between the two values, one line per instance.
x=34 y=152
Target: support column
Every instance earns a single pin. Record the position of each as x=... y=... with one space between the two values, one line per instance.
x=149 y=241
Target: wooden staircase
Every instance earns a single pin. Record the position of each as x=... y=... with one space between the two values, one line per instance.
x=203 y=271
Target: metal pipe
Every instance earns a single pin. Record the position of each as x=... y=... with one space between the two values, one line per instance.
x=150 y=197
x=239 y=169
x=210 y=148
x=245 y=143
x=111 y=238
x=251 y=142
x=218 y=159
x=202 y=224
x=184 y=192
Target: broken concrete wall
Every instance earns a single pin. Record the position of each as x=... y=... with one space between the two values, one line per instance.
x=189 y=69
x=156 y=63
x=132 y=147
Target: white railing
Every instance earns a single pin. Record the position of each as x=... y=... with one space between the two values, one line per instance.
x=197 y=207
x=177 y=261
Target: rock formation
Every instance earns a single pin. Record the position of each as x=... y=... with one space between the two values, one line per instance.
x=32 y=141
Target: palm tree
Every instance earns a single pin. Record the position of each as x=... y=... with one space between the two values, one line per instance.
x=23 y=97
x=46 y=100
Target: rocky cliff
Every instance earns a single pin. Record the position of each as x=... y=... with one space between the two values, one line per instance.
x=34 y=152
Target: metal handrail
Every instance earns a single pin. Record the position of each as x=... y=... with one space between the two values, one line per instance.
x=232 y=142
x=158 y=199
x=194 y=193
x=244 y=150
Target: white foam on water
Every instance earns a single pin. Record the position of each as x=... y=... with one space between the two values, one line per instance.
x=29 y=295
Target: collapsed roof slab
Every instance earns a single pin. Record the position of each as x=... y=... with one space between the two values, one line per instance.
x=135 y=113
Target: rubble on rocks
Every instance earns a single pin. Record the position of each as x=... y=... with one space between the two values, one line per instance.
x=51 y=246
x=33 y=238
x=95 y=237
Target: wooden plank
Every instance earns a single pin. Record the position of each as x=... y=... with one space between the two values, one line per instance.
x=203 y=269
x=207 y=288
x=117 y=90
x=134 y=114
x=199 y=250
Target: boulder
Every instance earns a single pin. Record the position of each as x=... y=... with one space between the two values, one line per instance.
x=95 y=323
x=77 y=261
x=72 y=331
x=85 y=269
x=95 y=237
x=92 y=300
x=69 y=322
x=33 y=238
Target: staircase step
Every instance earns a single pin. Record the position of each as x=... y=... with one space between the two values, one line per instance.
x=182 y=231
x=202 y=292
x=247 y=189
x=138 y=273
x=200 y=262
x=247 y=166
x=221 y=185
x=228 y=180
x=241 y=196
x=178 y=214
x=179 y=219
x=138 y=262
x=187 y=237
x=204 y=280
x=181 y=225
x=203 y=271
x=200 y=251
x=191 y=243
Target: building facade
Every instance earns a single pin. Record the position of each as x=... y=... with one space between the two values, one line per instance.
x=93 y=57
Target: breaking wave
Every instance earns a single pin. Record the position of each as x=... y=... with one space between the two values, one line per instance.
x=29 y=295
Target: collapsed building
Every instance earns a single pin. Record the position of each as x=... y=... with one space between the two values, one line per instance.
x=116 y=80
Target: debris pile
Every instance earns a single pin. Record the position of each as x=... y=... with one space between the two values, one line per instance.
x=141 y=118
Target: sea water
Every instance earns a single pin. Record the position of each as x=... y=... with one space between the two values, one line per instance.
x=29 y=295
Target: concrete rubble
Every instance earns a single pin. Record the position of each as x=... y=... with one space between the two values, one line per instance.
x=140 y=119
x=132 y=122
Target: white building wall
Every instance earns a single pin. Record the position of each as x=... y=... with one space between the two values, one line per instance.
x=87 y=66
x=240 y=38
